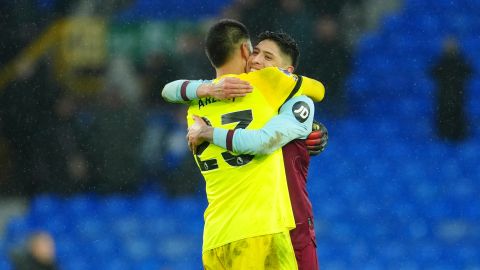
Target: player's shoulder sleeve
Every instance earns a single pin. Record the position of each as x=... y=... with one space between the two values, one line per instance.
x=299 y=112
x=275 y=84
x=312 y=88
x=181 y=91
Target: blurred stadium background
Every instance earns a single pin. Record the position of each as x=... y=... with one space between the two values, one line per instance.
x=91 y=154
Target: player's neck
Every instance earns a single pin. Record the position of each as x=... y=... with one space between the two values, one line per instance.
x=234 y=66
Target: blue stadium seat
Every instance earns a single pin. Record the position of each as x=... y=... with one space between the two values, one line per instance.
x=425 y=252
x=159 y=227
x=125 y=225
x=429 y=24
x=17 y=231
x=417 y=230
x=179 y=246
x=90 y=228
x=79 y=263
x=392 y=23
x=117 y=263
x=3 y=248
x=336 y=264
x=69 y=247
x=369 y=44
x=327 y=208
x=45 y=205
x=109 y=246
x=139 y=248
x=187 y=264
x=152 y=206
x=462 y=24
x=473 y=98
x=358 y=83
x=471 y=4
x=150 y=264
x=5 y=263
x=82 y=205
x=115 y=206
x=470 y=254
x=414 y=7
x=188 y=206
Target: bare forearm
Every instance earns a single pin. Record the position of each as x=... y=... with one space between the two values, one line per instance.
x=228 y=87
x=206 y=133
x=205 y=90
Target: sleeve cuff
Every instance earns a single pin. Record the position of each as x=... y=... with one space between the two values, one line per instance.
x=220 y=137
x=191 y=89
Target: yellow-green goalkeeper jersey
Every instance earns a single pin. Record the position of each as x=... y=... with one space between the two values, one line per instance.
x=247 y=195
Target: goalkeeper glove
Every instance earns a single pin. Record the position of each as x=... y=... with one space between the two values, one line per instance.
x=317 y=139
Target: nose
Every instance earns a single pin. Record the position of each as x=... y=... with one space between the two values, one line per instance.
x=256 y=59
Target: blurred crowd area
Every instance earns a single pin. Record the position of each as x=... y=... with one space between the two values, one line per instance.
x=80 y=88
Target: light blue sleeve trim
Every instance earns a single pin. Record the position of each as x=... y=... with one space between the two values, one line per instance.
x=277 y=132
x=172 y=91
x=220 y=137
x=192 y=89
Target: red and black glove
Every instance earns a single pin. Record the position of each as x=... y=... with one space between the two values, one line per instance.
x=317 y=139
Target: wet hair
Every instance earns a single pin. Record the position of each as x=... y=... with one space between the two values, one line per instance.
x=286 y=43
x=222 y=40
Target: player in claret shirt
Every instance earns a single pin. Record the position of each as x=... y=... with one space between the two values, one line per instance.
x=248 y=196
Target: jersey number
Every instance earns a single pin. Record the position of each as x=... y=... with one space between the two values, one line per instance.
x=244 y=118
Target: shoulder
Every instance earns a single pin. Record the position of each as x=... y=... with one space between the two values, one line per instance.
x=300 y=106
x=297 y=99
x=312 y=88
x=313 y=82
x=271 y=72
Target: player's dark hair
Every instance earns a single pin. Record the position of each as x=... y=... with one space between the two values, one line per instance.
x=286 y=43
x=222 y=39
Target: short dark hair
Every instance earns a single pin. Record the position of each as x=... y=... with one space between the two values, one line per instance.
x=285 y=42
x=222 y=38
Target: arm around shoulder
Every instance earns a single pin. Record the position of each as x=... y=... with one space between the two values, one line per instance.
x=293 y=122
x=181 y=91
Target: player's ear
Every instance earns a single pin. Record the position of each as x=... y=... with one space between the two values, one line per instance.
x=290 y=69
x=246 y=49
